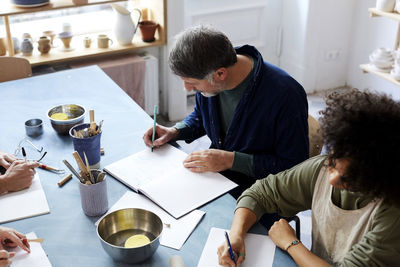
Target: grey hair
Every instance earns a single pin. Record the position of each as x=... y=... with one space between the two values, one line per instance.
x=199 y=51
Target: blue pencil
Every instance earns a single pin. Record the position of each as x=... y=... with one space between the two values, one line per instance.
x=154 y=127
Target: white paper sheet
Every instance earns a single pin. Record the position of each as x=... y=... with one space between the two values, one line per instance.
x=24 y=204
x=37 y=257
x=173 y=236
x=161 y=176
x=260 y=250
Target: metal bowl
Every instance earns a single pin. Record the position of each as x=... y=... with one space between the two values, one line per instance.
x=115 y=228
x=34 y=127
x=75 y=113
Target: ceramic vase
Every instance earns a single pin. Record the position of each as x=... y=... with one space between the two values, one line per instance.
x=26 y=47
x=44 y=45
x=17 y=45
x=385 y=5
x=397 y=6
x=125 y=27
x=3 y=48
x=50 y=34
x=148 y=30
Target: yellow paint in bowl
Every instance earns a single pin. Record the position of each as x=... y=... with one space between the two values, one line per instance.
x=59 y=116
x=136 y=241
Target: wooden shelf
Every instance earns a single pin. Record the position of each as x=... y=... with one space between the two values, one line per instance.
x=8 y=9
x=373 y=12
x=56 y=55
x=157 y=12
x=386 y=76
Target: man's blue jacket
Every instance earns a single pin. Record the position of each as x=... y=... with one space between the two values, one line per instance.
x=269 y=122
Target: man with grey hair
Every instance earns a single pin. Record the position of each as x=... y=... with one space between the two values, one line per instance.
x=254 y=113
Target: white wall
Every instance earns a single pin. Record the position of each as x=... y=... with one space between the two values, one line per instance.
x=316 y=41
x=369 y=34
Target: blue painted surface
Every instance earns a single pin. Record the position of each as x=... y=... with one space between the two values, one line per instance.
x=70 y=236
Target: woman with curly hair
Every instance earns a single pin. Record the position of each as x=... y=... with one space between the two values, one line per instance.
x=353 y=191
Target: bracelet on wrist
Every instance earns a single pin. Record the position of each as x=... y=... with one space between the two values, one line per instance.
x=293 y=243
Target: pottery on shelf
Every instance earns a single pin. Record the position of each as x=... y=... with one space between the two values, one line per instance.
x=382 y=59
x=26 y=47
x=125 y=28
x=80 y=2
x=3 y=48
x=27 y=36
x=16 y=45
x=385 y=5
x=51 y=35
x=66 y=38
x=44 y=45
x=148 y=29
x=29 y=3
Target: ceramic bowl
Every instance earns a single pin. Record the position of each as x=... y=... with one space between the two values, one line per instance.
x=387 y=70
x=382 y=64
x=64 y=35
x=116 y=227
x=382 y=53
x=30 y=3
x=75 y=114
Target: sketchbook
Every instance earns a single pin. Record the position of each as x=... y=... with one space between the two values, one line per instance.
x=25 y=203
x=175 y=232
x=161 y=176
x=260 y=250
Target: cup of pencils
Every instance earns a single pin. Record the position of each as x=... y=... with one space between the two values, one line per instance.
x=93 y=193
x=86 y=141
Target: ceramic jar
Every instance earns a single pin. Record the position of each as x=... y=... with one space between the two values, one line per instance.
x=17 y=45
x=26 y=47
x=44 y=45
x=385 y=5
x=148 y=29
x=3 y=48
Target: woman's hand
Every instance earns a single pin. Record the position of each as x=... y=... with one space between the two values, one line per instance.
x=6 y=159
x=11 y=238
x=282 y=234
x=18 y=176
x=5 y=258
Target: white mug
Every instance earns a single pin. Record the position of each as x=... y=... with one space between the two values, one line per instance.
x=103 y=41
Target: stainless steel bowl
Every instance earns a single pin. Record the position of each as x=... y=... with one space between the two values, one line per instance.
x=115 y=228
x=75 y=113
x=34 y=127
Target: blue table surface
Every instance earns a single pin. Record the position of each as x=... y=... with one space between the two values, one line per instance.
x=70 y=236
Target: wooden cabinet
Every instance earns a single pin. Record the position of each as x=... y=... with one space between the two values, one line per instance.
x=394 y=16
x=157 y=9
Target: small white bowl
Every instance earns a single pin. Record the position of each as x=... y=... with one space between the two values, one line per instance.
x=382 y=64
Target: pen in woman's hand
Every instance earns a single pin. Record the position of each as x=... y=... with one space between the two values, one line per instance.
x=24 y=153
x=230 y=248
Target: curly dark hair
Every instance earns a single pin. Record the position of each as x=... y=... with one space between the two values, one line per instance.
x=199 y=51
x=364 y=128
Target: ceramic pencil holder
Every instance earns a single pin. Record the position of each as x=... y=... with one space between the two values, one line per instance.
x=94 y=198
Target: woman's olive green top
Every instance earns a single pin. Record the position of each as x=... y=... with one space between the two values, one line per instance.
x=291 y=191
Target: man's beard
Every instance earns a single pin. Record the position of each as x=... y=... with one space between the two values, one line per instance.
x=220 y=88
x=208 y=94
